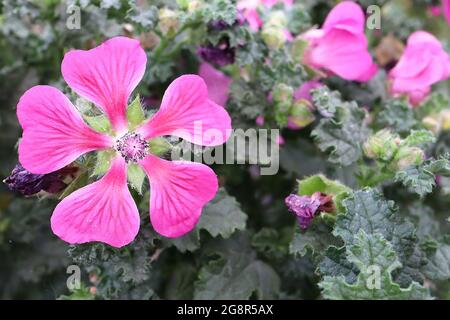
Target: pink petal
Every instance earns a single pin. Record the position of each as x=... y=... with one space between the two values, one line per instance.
x=102 y=211
x=446 y=10
x=423 y=63
x=348 y=16
x=344 y=54
x=106 y=75
x=187 y=112
x=179 y=190
x=217 y=82
x=54 y=134
x=304 y=91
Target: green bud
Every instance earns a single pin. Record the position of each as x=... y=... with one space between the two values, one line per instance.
x=282 y=93
x=168 y=21
x=183 y=4
x=298 y=47
x=409 y=156
x=274 y=37
x=194 y=5
x=382 y=145
x=432 y=123
x=301 y=114
x=282 y=98
x=277 y=19
x=445 y=119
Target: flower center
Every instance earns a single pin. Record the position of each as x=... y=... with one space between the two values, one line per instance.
x=132 y=147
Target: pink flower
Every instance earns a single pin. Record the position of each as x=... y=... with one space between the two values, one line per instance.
x=304 y=91
x=423 y=63
x=259 y=121
x=248 y=8
x=218 y=83
x=54 y=135
x=446 y=10
x=434 y=11
x=340 y=46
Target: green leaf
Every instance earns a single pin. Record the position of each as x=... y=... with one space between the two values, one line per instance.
x=438 y=266
x=439 y=166
x=222 y=215
x=315 y=239
x=417 y=179
x=326 y=101
x=343 y=136
x=367 y=210
x=98 y=123
x=237 y=274
x=434 y=104
x=375 y=258
x=320 y=183
x=135 y=113
x=335 y=263
x=135 y=176
x=418 y=137
x=398 y=116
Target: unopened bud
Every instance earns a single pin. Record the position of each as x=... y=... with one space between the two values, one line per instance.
x=409 y=156
x=300 y=114
x=168 y=21
x=445 y=119
x=432 y=123
x=274 y=37
x=382 y=146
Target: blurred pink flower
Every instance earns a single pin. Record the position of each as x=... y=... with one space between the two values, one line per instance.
x=55 y=134
x=304 y=91
x=446 y=10
x=423 y=63
x=259 y=120
x=340 y=46
x=217 y=82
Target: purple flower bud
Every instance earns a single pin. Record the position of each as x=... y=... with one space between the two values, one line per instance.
x=307 y=207
x=221 y=54
x=27 y=183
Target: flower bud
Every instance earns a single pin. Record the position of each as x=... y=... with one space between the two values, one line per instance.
x=409 y=156
x=282 y=93
x=194 y=5
x=277 y=19
x=300 y=114
x=27 y=183
x=168 y=21
x=445 y=119
x=432 y=123
x=274 y=37
x=382 y=146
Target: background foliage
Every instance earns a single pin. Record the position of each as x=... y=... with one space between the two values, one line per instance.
x=247 y=244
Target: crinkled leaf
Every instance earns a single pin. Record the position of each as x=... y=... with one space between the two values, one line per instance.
x=417 y=179
x=397 y=115
x=343 y=136
x=367 y=210
x=418 y=137
x=375 y=258
x=222 y=215
x=315 y=239
x=237 y=274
